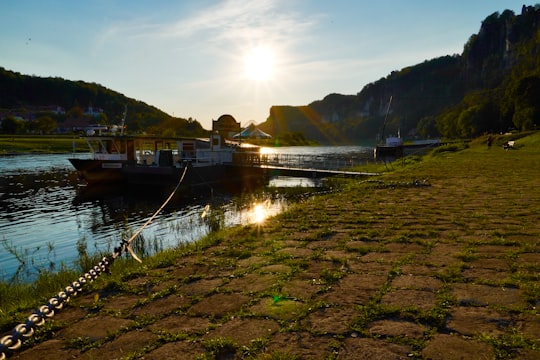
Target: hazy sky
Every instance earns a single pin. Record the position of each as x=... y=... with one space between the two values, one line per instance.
x=205 y=58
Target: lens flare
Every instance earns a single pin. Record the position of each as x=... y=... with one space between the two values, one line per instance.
x=259 y=213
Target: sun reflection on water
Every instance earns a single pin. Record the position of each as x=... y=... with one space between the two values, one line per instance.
x=260 y=211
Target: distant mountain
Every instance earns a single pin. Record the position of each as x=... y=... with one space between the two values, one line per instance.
x=20 y=92
x=492 y=86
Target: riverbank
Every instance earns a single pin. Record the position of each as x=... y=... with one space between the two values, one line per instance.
x=53 y=144
x=437 y=258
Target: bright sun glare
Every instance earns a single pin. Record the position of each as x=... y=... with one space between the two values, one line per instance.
x=259 y=213
x=259 y=63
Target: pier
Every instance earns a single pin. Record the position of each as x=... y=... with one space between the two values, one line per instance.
x=310 y=166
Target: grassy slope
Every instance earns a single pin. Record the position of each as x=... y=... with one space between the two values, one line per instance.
x=475 y=227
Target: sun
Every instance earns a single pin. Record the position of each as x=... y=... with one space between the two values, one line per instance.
x=259 y=63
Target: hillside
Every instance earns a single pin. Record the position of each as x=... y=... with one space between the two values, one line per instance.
x=493 y=86
x=30 y=94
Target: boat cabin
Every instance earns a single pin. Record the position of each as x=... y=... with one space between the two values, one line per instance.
x=162 y=151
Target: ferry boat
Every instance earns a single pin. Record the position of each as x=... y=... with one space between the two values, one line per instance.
x=157 y=161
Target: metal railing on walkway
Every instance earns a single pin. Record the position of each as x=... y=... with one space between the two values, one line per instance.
x=302 y=161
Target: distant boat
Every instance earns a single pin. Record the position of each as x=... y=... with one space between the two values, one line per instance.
x=394 y=147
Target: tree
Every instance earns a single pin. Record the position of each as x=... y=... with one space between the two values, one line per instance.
x=526 y=103
x=12 y=125
x=75 y=112
x=427 y=127
x=467 y=121
x=447 y=124
x=523 y=118
x=44 y=125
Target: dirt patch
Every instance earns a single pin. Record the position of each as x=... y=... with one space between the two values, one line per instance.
x=392 y=328
x=371 y=268
x=201 y=287
x=491 y=263
x=483 y=295
x=302 y=289
x=529 y=260
x=416 y=282
x=253 y=261
x=122 y=304
x=367 y=349
x=339 y=255
x=219 y=305
x=301 y=344
x=331 y=320
x=315 y=268
x=405 y=248
x=354 y=289
x=70 y=314
x=178 y=350
x=486 y=275
x=123 y=345
x=244 y=331
x=95 y=328
x=434 y=260
x=419 y=299
x=162 y=306
x=454 y=347
x=424 y=270
x=530 y=326
x=276 y=269
x=175 y=323
x=322 y=245
x=383 y=257
x=55 y=349
x=490 y=251
x=251 y=283
x=478 y=320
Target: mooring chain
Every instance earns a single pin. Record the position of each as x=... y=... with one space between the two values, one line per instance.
x=13 y=342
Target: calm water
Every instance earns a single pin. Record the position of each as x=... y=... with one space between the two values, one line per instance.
x=46 y=211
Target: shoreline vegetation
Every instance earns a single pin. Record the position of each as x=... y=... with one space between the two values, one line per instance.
x=52 y=144
x=45 y=144
x=437 y=258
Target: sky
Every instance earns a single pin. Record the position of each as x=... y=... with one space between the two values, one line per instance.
x=201 y=59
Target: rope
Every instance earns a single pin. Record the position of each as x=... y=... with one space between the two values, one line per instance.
x=13 y=342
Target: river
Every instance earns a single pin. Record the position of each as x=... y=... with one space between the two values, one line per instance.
x=47 y=214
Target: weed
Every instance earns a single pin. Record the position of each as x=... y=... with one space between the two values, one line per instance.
x=218 y=348
x=82 y=343
x=331 y=276
x=506 y=344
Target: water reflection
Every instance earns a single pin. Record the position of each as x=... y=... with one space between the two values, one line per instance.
x=46 y=215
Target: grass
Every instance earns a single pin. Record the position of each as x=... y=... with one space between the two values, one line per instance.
x=15 y=144
x=454 y=231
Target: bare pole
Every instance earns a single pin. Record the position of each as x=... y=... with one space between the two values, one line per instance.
x=386 y=117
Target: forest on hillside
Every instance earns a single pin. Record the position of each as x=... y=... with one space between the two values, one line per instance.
x=493 y=86
x=24 y=94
